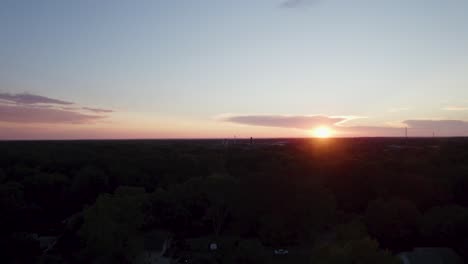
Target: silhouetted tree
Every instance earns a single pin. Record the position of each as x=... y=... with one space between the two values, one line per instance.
x=363 y=251
x=445 y=225
x=393 y=222
x=87 y=184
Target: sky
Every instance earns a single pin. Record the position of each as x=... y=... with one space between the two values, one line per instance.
x=219 y=68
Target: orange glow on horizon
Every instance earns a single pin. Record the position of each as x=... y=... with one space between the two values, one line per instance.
x=322 y=132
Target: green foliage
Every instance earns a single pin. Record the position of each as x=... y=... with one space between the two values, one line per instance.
x=220 y=191
x=11 y=197
x=165 y=210
x=51 y=259
x=3 y=176
x=45 y=187
x=12 y=203
x=392 y=222
x=288 y=196
x=362 y=251
x=460 y=186
x=111 y=227
x=353 y=230
x=230 y=250
x=297 y=213
x=248 y=252
x=445 y=224
x=18 y=247
x=423 y=191
x=88 y=183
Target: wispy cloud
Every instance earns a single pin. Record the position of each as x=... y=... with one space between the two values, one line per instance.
x=455 y=108
x=286 y=121
x=28 y=99
x=28 y=114
x=29 y=108
x=370 y=131
x=398 y=109
x=452 y=125
x=417 y=127
x=97 y=110
x=296 y=3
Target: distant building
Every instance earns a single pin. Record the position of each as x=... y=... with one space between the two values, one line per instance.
x=430 y=255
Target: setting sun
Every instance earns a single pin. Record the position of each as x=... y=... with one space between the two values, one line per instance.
x=322 y=132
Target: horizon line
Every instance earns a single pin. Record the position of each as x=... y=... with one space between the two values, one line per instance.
x=237 y=138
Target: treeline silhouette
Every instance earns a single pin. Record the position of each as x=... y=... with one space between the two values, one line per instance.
x=325 y=201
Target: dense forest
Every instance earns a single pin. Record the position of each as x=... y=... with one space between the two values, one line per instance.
x=356 y=200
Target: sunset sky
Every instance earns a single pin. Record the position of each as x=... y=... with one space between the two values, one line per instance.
x=221 y=68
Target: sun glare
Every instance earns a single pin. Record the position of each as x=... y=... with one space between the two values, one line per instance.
x=322 y=132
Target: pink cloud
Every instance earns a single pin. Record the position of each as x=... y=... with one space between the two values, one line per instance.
x=28 y=114
x=29 y=108
x=97 y=110
x=370 y=131
x=29 y=99
x=416 y=128
x=300 y=122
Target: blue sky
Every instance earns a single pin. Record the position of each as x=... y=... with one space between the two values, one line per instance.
x=191 y=61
